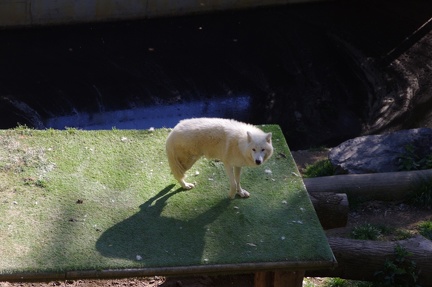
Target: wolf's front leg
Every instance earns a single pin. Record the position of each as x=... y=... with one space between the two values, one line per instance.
x=233 y=186
x=240 y=191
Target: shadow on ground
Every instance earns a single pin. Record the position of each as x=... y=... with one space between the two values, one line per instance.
x=156 y=240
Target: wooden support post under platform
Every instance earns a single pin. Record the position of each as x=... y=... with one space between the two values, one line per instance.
x=279 y=278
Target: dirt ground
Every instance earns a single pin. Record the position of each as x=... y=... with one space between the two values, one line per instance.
x=396 y=215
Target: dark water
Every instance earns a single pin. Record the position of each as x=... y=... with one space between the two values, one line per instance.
x=155 y=116
x=283 y=65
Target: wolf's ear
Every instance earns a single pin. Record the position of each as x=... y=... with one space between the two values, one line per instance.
x=249 y=136
x=269 y=138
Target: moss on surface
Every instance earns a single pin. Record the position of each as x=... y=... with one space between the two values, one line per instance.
x=83 y=200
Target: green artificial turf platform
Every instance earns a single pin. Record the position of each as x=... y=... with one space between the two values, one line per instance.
x=96 y=203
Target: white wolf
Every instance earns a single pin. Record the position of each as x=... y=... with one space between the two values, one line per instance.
x=234 y=143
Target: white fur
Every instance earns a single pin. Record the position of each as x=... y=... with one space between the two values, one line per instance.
x=234 y=143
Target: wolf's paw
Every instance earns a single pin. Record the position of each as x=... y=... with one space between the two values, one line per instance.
x=243 y=193
x=187 y=185
x=232 y=193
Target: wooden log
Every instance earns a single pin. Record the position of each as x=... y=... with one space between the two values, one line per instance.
x=361 y=259
x=389 y=186
x=331 y=208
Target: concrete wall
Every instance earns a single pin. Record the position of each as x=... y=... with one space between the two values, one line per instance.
x=50 y=12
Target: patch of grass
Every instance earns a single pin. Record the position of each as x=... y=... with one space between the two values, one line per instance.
x=336 y=282
x=402 y=234
x=35 y=182
x=386 y=230
x=366 y=231
x=24 y=129
x=339 y=282
x=425 y=229
x=320 y=168
x=71 y=131
x=308 y=283
x=369 y=231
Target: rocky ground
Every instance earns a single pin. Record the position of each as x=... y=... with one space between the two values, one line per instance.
x=395 y=215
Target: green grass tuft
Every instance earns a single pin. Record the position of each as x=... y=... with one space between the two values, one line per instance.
x=339 y=282
x=320 y=168
x=366 y=231
x=425 y=229
x=336 y=282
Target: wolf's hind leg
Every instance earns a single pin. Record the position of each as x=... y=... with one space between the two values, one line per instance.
x=183 y=164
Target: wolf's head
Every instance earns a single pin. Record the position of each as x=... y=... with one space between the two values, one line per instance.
x=260 y=146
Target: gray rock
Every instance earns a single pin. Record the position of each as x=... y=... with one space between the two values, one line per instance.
x=383 y=153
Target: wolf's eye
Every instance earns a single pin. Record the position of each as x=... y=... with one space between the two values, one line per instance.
x=253 y=149
x=262 y=150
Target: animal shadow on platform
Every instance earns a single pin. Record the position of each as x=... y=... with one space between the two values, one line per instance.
x=152 y=239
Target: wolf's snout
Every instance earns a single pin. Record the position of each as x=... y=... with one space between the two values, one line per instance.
x=258 y=161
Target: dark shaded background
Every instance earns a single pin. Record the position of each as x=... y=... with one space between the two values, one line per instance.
x=322 y=71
